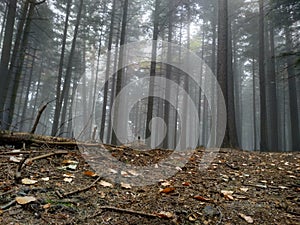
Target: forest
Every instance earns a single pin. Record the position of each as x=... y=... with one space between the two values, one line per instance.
x=78 y=56
x=149 y=112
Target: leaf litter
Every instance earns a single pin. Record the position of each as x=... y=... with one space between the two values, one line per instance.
x=239 y=187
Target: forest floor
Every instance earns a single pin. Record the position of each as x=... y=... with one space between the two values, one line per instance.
x=239 y=187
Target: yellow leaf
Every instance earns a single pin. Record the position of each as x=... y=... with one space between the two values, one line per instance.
x=25 y=200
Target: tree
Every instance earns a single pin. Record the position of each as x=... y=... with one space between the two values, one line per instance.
x=230 y=139
x=262 y=79
x=5 y=55
x=120 y=73
x=58 y=101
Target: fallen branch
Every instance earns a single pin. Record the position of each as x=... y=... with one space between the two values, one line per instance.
x=28 y=161
x=18 y=138
x=125 y=211
x=8 y=205
x=83 y=189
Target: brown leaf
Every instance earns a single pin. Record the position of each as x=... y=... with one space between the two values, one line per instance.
x=25 y=200
x=248 y=219
x=200 y=198
x=89 y=173
x=186 y=184
x=165 y=215
x=167 y=190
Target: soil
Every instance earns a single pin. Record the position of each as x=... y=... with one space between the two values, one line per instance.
x=238 y=187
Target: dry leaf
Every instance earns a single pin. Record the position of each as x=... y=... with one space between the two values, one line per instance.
x=102 y=194
x=224 y=192
x=15 y=159
x=67 y=161
x=45 y=179
x=165 y=215
x=105 y=184
x=244 y=189
x=69 y=175
x=126 y=186
x=193 y=217
x=186 y=184
x=227 y=194
x=67 y=179
x=47 y=206
x=167 y=190
x=200 y=198
x=25 y=200
x=28 y=181
x=90 y=173
x=247 y=218
x=165 y=184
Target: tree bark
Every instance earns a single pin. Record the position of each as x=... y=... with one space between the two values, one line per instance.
x=58 y=102
x=5 y=54
x=67 y=83
x=120 y=74
x=262 y=82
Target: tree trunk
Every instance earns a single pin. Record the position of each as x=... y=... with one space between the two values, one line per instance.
x=58 y=102
x=222 y=63
x=168 y=77
x=272 y=93
x=294 y=117
x=120 y=73
x=152 y=72
x=5 y=54
x=19 y=69
x=262 y=82
x=108 y=62
x=231 y=119
x=66 y=89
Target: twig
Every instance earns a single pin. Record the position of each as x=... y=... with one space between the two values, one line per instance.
x=128 y=211
x=232 y=166
x=7 y=192
x=221 y=215
x=9 y=204
x=40 y=112
x=18 y=174
x=82 y=189
x=28 y=161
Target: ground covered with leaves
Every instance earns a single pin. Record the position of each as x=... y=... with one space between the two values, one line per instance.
x=51 y=186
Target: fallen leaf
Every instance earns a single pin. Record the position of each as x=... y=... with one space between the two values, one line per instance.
x=193 y=217
x=47 y=206
x=200 y=198
x=224 y=192
x=25 y=200
x=102 y=194
x=67 y=161
x=186 y=184
x=165 y=184
x=244 y=189
x=15 y=159
x=89 y=173
x=69 y=175
x=227 y=194
x=126 y=186
x=133 y=173
x=28 y=181
x=67 y=179
x=105 y=184
x=248 y=219
x=165 y=215
x=167 y=190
